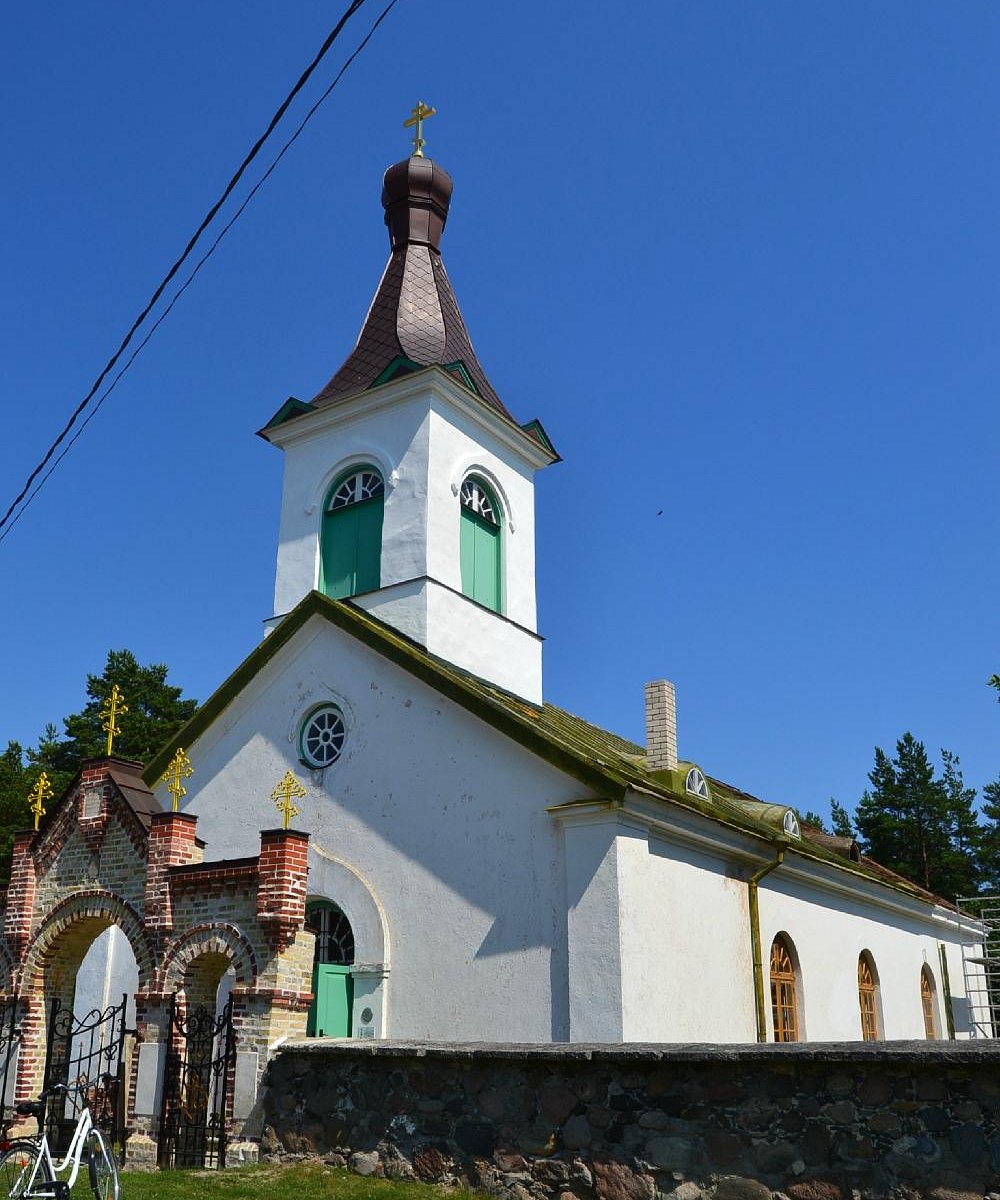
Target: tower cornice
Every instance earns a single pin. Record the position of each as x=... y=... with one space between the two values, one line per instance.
x=434 y=381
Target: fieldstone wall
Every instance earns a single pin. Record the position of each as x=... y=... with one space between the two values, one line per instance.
x=856 y=1121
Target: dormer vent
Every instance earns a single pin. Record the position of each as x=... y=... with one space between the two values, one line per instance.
x=661 y=726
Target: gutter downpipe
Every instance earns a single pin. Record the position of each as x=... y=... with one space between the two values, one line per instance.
x=758 y=965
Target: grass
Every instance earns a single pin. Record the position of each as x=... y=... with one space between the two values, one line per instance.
x=304 y=1181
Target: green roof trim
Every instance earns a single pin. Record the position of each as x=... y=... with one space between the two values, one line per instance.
x=534 y=429
x=400 y=365
x=291 y=408
x=458 y=368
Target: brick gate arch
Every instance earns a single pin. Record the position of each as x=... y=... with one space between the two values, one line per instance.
x=108 y=855
x=219 y=938
x=88 y=911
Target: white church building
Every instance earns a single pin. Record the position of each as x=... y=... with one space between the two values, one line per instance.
x=483 y=865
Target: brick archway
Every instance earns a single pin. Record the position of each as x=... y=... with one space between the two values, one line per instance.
x=219 y=940
x=52 y=958
x=84 y=914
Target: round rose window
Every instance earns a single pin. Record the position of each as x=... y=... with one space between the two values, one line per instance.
x=323 y=736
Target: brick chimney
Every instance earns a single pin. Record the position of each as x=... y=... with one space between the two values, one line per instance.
x=661 y=726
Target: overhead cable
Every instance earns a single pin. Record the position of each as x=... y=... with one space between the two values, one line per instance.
x=351 y=9
x=190 y=279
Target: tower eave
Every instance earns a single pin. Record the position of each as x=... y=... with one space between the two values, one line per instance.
x=529 y=440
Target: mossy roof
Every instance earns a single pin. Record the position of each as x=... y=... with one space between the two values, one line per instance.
x=609 y=766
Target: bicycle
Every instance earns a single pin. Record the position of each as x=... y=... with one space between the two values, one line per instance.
x=28 y=1170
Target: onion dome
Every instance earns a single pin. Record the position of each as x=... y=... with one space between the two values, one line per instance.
x=414 y=320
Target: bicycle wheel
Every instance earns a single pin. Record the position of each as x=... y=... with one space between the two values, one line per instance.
x=103 y=1168
x=16 y=1162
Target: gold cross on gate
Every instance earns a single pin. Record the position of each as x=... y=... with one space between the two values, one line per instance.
x=420 y=113
x=180 y=768
x=41 y=792
x=283 y=794
x=113 y=708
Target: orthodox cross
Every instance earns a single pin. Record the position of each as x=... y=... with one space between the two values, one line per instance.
x=113 y=708
x=283 y=795
x=41 y=792
x=180 y=768
x=420 y=113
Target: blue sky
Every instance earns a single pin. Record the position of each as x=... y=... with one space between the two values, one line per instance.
x=741 y=260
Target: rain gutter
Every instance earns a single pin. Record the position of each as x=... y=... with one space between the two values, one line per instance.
x=758 y=964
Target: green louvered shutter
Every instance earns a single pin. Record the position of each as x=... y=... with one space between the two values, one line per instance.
x=480 y=557
x=352 y=546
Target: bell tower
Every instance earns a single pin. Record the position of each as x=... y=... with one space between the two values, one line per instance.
x=408 y=486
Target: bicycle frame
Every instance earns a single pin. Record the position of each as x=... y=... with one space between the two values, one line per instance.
x=45 y=1163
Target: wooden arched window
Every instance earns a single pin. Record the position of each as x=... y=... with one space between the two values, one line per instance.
x=927 y=1003
x=480 y=544
x=784 y=1001
x=868 y=997
x=351 y=559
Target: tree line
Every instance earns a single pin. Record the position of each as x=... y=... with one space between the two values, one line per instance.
x=924 y=824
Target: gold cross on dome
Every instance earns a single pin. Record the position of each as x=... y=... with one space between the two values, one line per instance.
x=113 y=708
x=283 y=795
x=420 y=113
x=41 y=792
x=180 y=768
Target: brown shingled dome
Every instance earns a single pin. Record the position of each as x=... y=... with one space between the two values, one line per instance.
x=415 y=194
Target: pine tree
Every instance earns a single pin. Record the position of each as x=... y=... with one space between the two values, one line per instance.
x=842 y=824
x=922 y=827
x=964 y=855
x=814 y=819
x=155 y=713
x=990 y=839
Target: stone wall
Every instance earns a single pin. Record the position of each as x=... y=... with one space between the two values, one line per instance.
x=852 y=1121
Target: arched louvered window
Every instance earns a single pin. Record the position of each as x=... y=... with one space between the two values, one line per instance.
x=784 y=992
x=480 y=544
x=351 y=543
x=927 y=990
x=868 y=997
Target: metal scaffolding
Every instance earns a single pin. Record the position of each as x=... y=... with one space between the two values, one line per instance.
x=981 y=965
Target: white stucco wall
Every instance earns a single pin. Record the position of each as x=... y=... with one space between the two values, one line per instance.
x=593 y=917
x=830 y=929
x=659 y=934
x=108 y=972
x=687 y=966
x=442 y=817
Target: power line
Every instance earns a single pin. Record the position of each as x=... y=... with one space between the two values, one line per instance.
x=9 y=522
x=351 y=9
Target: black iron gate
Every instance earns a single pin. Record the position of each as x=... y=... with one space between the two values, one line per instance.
x=198 y=1087
x=86 y=1052
x=9 y=1038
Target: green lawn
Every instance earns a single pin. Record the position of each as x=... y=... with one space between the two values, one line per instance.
x=304 y=1181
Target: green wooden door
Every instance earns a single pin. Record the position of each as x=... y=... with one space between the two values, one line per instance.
x=352 y=549
x=480 y=557
x=330 y=1011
